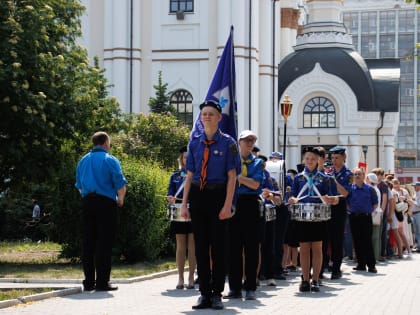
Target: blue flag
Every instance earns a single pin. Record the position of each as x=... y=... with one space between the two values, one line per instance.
x=222 y=89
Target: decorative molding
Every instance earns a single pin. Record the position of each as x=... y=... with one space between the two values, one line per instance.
x=328 y=39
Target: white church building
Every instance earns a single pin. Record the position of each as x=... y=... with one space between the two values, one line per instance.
x=274 y=42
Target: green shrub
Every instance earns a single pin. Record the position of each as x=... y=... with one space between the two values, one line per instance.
x=143 y=225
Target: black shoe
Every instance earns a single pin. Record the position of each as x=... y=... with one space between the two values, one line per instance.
x=304 y=286
x=315 y=286
x=359 y=268
x=250 y=295
x=108 y=287
x=279 y=276
x=233 y=295
x=336 y=275
x=90 y=287
x=216 y=303
x=372 y=270
x=203 y=302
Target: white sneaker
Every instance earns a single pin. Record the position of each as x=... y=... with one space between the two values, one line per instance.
x=271 y=282
x=409 y=255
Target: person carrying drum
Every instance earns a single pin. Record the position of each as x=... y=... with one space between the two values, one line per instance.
x=271 y=199
x=181 y=227
x=312 y=193
x=244 y=225
x=343 y=178
x=212 y=164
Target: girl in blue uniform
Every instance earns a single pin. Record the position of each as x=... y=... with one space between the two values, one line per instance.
x=317 y=188
x=182 y=228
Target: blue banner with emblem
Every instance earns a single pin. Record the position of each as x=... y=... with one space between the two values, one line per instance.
x=223 y=90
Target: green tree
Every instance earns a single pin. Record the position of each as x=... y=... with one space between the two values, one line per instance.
x=160 y=103
x=155 y=137
x=50 y=96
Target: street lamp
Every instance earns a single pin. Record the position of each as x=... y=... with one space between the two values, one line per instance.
x=364 y=149
x=286 y=109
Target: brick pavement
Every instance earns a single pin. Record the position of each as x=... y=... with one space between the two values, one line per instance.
x=394 y=290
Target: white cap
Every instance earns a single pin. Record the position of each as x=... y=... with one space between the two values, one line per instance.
x=247 y=133
x=372 y=178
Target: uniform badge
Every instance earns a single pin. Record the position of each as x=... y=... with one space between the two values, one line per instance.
x=233 y=148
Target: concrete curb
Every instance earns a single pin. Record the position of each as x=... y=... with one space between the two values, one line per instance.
x=66 y=291
x=40 y=296
x=79 y=281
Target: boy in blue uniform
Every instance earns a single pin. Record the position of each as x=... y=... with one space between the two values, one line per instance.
x=343 y=178
x=244 y=226
x=212 y=164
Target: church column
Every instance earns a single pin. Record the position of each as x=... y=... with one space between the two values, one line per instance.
x=265 y=75
x=388 y=163
x=121 y=63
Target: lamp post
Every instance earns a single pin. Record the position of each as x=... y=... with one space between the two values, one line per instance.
x=364 y=149
x=286 y=109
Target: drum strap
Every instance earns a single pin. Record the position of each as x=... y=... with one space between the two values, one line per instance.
x=311 y=188
x=179 y=189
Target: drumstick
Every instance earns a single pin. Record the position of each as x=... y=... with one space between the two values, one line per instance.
x=275 y=192
x=167 y=197
x=321 y=196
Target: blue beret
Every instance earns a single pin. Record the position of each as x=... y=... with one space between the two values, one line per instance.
x=211 y=103
x=338 y=150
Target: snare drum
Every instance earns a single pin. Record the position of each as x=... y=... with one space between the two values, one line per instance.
x=314 y=212
x=270 y=212
x=174 y=213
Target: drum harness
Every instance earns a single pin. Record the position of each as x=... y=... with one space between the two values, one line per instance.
x=311 y=189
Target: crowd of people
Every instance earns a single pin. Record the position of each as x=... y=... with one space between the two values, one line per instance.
x=312 y=218
x=235 y=213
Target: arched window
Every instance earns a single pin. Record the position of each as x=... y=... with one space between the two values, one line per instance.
x=319 y=112
x=182 y=101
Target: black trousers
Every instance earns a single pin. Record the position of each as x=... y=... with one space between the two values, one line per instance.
x=210 y=236
x=361 y=229
x=282 y=222
x=244 y=243
x=99 y=226
x=336 y=234
x=267 y=250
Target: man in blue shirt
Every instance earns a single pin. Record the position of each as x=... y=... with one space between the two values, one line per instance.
x=362 y=200
x=101 y=183
x=212 y=164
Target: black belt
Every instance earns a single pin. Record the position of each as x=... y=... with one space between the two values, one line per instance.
x=209 y=186
x=359 y=214
x=416 y=212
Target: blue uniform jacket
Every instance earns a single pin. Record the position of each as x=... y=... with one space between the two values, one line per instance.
x=344 y=177
x=321 y=181
x=175 y=182
x=255 y=171
x=224 y=156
